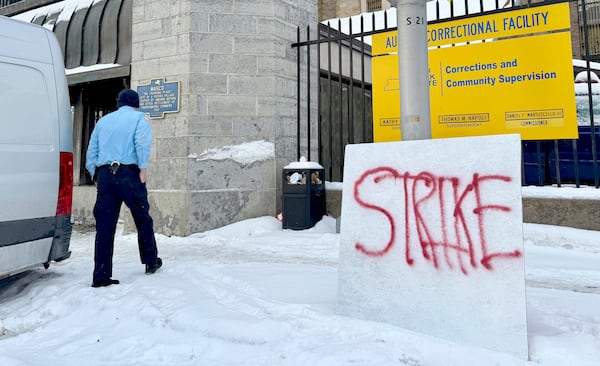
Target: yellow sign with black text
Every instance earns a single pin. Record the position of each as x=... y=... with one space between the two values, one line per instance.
x=513 y=85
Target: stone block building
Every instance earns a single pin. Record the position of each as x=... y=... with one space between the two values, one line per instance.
x=237 y=94
x=237 y=90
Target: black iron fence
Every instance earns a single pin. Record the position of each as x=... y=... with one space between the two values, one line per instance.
x=344 y=90
x=4 y=3
x=13 y=7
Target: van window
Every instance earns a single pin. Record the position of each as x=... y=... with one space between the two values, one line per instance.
x=24 y=106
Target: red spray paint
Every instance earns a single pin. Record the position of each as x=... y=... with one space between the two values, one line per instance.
x=468 y=248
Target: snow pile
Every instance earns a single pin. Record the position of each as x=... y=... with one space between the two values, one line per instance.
x=254 y=294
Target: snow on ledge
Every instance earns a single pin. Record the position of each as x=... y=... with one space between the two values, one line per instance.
x=554 y=192
x=82 y=69
x=245 y=153
x=303 y=164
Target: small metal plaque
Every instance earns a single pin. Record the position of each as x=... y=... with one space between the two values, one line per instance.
x=159 y=97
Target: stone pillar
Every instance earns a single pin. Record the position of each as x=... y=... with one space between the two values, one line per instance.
x=237 y=74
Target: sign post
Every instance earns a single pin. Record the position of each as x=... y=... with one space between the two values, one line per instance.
x=414 y=70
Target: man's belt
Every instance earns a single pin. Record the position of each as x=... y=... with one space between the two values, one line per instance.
x=115 y=166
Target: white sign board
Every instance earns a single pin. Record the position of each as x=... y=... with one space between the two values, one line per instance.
x=432 y=239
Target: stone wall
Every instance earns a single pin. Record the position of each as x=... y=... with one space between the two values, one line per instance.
x=576 y=213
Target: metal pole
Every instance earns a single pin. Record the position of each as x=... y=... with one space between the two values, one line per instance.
x=590 y=100
x=298 y=91
x=413 y=70
x=308 y=70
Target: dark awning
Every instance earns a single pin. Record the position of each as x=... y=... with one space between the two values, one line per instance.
x=90 y=32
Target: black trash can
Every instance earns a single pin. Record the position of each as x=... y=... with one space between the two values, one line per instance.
x=303 y=197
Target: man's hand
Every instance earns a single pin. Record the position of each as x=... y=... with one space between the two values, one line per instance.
x=143 y=175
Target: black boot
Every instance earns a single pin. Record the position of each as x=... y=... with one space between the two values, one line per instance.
x=151 y=268
x=104 y=283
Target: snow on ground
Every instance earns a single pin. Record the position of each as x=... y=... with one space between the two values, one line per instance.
x=253 y=294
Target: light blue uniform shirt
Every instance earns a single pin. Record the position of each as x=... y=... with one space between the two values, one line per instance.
x=124 y=136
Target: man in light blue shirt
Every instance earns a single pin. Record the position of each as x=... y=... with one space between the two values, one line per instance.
x=117 y=158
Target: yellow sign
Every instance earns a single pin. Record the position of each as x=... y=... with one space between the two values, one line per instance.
x=514 y=85
x=506 y=24
x=386 y=99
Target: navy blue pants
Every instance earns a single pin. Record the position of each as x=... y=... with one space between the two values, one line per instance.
x=113 y=190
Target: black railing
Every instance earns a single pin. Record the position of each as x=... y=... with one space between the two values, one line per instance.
x=345 y=107
x=4 y=3
x=13 y=7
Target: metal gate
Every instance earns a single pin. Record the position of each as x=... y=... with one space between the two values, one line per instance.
x=344 y=90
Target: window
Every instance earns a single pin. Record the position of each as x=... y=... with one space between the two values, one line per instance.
x=28 y=126
x=373 y=5
x=90 y=102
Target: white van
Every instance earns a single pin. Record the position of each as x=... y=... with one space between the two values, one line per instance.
x=36 y=149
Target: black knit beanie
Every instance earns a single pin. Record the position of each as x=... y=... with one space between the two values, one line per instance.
x=128 y=97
